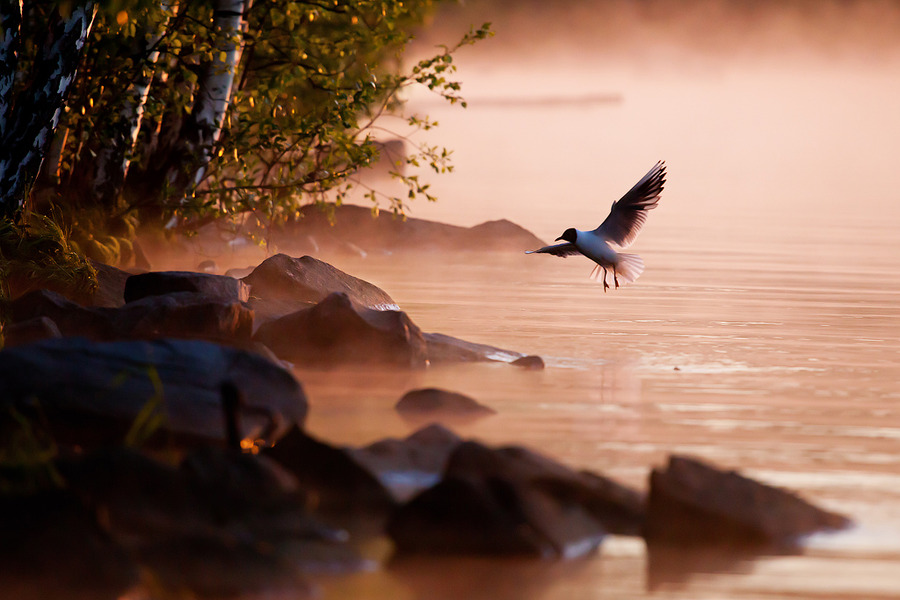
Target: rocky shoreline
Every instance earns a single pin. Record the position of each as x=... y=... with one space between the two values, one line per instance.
x=155 y=441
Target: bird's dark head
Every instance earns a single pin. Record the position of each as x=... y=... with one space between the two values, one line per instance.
x=568 y=235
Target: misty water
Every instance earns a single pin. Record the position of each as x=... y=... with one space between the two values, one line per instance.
x=764 y=335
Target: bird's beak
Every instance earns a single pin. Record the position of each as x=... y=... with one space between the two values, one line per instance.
x=559 y=238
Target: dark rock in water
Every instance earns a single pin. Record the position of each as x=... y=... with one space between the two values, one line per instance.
x=531 y=362
x=28 y=331
x=53 y=547
x=389 y=233
x=336 y=332
x=446 y=349
x=492 y=516
x=513 y=501
x=183 y=315
x=281 y=285
x=222 y=524
x=694 y=503
x=407 y=466
x=618 y=508
x=436 y=403
x=92 y=392
x=213 y=287
x=331 y=474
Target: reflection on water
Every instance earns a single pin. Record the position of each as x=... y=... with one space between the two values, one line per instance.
x=764 y=334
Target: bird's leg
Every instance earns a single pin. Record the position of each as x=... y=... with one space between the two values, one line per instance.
x=605 y=285
x=615 y=277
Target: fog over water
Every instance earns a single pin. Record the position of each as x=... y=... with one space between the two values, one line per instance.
x=764 y=334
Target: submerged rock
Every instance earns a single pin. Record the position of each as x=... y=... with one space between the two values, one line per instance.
x=434 y=403
x=93 y=392
x=281 y=285
x=335 y=331
x=447 y=349
x=512 y=501
x=694 y=503
x=159 y=283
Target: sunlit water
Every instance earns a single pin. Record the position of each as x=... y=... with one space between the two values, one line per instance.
x=764 y=335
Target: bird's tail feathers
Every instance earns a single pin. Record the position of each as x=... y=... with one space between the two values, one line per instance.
x=629 y=268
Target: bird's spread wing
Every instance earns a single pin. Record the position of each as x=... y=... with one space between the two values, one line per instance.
x=627 y=216
x=565 y=249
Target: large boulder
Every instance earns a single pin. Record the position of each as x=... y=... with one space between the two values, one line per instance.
x=93 y=392
x=336 y=331
x=342 y=487
x=513 y=501
x=183 y=315
x=281 y=285
x=213 y=287
x=694 y=503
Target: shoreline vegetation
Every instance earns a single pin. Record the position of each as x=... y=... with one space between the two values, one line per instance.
x=154 y=440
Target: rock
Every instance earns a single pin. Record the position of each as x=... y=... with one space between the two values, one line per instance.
x=446 y=349
x=110 y=292
x=222 y=524
x=28 y=331
x=341 y=486
x=530 y=363
x=491 y=516
x=694 y=503
x=93 y=392
x=407 y=466
x=334 y=331
x=619 y=509
x=431 y=403
x=158 y=283
x=327 y=231
x=281 y=285
x=183 y=315
x=53 y=547
x=512 y=501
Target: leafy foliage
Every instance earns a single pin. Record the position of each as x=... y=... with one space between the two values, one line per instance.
x=315 y=83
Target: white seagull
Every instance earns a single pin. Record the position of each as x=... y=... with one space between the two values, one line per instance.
x=626 y=217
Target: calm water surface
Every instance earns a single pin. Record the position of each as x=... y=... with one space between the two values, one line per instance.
x=764 y=335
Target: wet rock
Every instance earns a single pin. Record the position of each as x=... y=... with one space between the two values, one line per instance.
x=409 y=465
x=53 y=547
x=531 y=363
x=92 y=392
x=334 y=331
x=28 y=331
x=433 y=403
x=281 y=285
x=213 y=287
x=330 y=474
x=447 y=349
x=183 y=315
x=328 y=230
x=694 y=503
x=512 y=501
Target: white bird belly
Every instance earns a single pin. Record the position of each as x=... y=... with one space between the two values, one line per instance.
x=597 y=249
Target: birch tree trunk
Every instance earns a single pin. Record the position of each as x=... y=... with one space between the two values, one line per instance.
x=28 y=127
x=201 y=131
x=113 y=158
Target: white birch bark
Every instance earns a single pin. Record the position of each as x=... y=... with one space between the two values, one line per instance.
x=32 y=122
